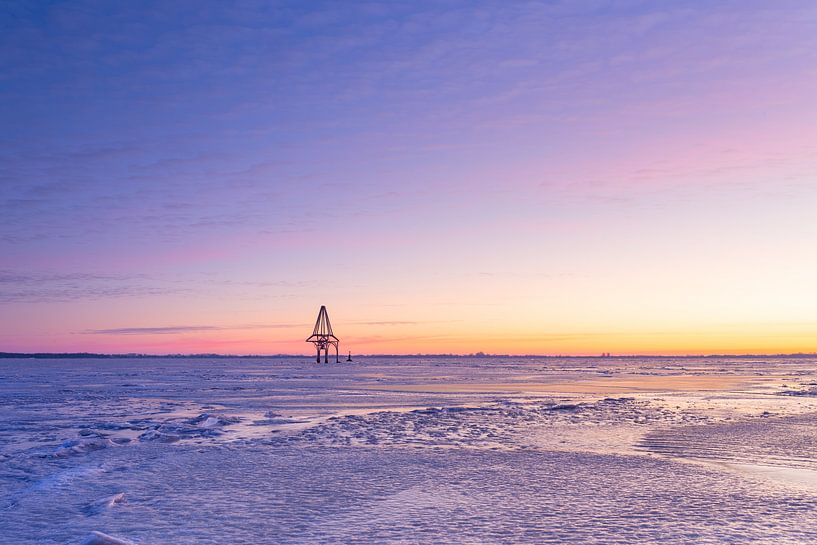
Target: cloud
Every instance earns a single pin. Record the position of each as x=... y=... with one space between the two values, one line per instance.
x=377 y=339
x=171 y=330
x=387 y=322
x=403 y=322
x=152 y=330
x=38 y=287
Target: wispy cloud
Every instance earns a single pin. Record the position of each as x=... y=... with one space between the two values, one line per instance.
x=172 y=330
x=378 y=339
x=389 y=322
x=37 y=287
x=169 y=330
x=402 y=322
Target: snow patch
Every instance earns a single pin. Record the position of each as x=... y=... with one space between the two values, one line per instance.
x=104 y=504
x=98 y=538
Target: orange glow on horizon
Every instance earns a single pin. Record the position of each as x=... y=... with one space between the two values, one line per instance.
x=375 y=340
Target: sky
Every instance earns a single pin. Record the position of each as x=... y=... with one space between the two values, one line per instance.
x=554 y=177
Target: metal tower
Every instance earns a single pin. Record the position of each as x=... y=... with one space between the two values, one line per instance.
x=322 y=337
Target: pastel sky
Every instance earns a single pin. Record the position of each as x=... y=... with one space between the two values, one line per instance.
x=556 y=177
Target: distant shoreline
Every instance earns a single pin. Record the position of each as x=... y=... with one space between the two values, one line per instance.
x=91 y=355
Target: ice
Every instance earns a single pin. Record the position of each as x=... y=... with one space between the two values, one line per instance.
x=408 y=450
x=81 y=446
x=98 y=538
x=101 y=505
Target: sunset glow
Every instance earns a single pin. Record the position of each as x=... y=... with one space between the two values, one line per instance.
x=555 y=178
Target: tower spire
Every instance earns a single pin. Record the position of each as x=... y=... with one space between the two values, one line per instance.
x=323 y=337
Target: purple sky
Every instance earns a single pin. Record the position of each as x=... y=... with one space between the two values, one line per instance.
x=531 y=177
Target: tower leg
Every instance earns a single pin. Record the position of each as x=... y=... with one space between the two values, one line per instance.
x=318 y=360
x=326 y=355
x=337 y=353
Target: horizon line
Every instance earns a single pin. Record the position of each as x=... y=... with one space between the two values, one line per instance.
x=134 y=355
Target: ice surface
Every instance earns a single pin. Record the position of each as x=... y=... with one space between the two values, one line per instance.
x=98 y=538
x=533 y=450
x=101 y=505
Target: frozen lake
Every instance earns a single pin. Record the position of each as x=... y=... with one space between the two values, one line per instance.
x=409 y=450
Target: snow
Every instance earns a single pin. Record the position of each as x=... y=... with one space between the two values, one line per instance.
x=98 y=538
x=411 y=450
